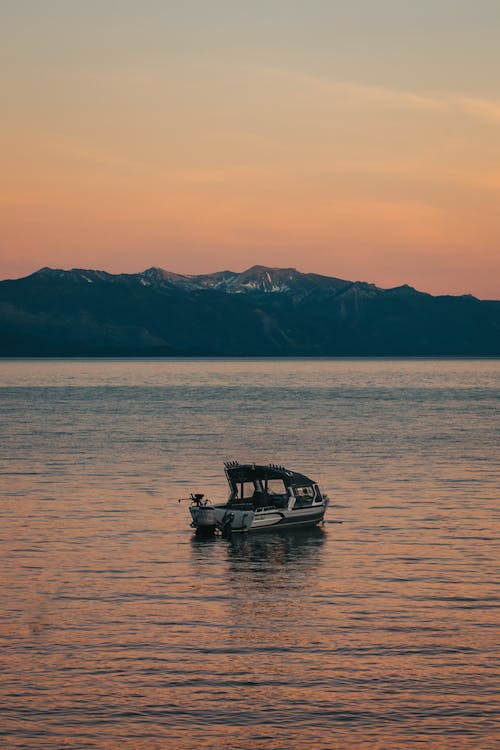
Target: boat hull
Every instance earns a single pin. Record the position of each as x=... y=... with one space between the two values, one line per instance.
x=209 y=518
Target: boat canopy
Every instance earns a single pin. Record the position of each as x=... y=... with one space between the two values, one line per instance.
x=237 y=473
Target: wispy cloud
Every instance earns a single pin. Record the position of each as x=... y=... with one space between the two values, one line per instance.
x=484 y=109
x=446 y=102
x=359 y=94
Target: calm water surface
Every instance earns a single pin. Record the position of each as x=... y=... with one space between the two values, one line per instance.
x=120 y=629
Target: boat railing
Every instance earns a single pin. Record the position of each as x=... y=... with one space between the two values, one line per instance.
x=266 y=507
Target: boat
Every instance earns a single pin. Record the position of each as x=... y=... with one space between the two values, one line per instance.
x=260 y=498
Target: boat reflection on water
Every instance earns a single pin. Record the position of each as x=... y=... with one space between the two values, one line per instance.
x=272 y=549
x=276 y=549
x=269 y=577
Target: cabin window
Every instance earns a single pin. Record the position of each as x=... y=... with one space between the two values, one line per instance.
x=303 y=502
x=318 y=498
x=245 y=490
x=259 y=489
x=275 y=487
x=303 y=497
x=304 y=492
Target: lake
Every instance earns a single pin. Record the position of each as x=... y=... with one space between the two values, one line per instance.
x=121 y=629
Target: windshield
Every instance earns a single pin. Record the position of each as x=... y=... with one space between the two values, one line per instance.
x=258 y=488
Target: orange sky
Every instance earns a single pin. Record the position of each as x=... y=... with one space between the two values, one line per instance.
x=351 y=141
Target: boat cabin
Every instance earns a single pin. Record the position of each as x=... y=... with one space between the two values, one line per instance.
x=252 y=487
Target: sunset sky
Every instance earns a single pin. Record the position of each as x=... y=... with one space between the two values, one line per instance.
x=357 y=139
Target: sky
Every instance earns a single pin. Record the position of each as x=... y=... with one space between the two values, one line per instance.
x=356 y=139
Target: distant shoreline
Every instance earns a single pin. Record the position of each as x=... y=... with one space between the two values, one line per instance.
x=257 y=358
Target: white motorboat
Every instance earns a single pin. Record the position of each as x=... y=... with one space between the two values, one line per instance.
x=260 y=497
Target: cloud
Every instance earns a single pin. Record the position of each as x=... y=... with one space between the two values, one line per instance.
x=359 y=94
x=484 y=109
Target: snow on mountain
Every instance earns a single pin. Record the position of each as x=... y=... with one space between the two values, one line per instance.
x=257 y=279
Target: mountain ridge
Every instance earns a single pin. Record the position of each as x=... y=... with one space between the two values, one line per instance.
x=255 y=278
x=203 y=280
x=261 y=311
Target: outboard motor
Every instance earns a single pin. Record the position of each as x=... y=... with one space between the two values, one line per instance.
x=203 y=515
x=197 y=499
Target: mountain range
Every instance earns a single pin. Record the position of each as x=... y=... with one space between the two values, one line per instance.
x=259 y=312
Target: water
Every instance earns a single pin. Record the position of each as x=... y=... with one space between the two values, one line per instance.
x=119 y=629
